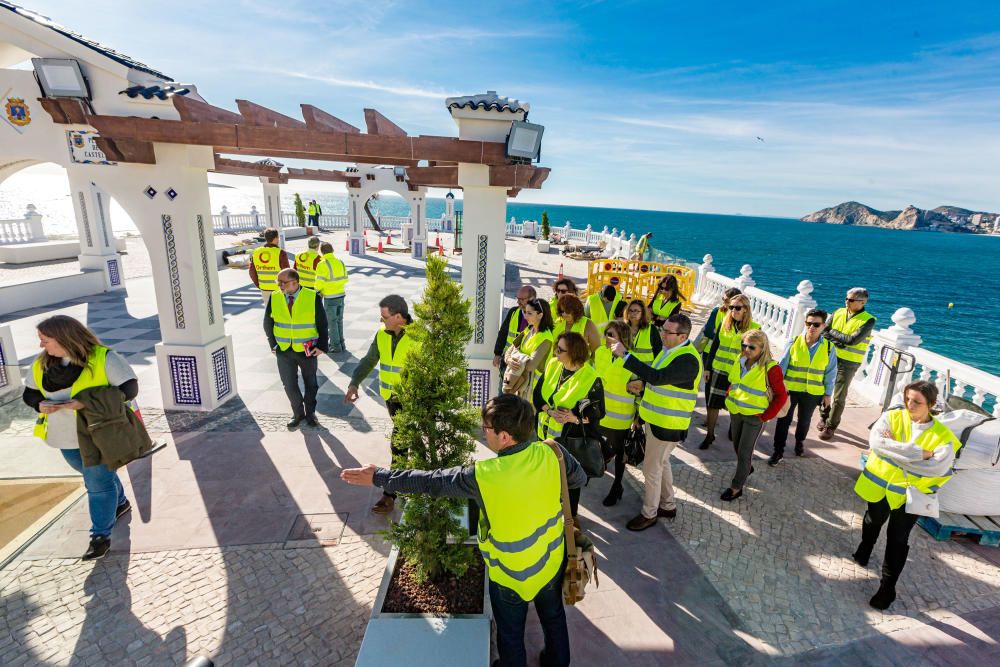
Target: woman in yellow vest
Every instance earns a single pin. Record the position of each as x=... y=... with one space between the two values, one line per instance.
x=644 y=339
x=667 y=300
x=536 y=342
x=756 y=395
x=569 y=396
x=720 y=359
x=619 y=404
x=71 y=361
x=572 y=319
x=908 y=448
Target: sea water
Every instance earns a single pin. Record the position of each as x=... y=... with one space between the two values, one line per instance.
x=924 y=271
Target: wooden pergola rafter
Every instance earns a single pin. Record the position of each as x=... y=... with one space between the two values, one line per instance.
x=259 y=131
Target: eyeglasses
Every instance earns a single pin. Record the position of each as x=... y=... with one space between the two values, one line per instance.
x=667 y=332
x=610 y=335
x=752 y=348
x=736 y=308
x=561 y=350
x=562 y=291
x=286 y=282
x=814 y=324
x=850 y=300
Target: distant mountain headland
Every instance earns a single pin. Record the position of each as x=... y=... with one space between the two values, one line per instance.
x=940 y=219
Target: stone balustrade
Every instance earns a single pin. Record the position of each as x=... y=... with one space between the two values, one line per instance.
x=23 y=230
x=617 y=245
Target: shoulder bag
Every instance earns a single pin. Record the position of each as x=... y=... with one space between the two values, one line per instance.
x=920 y=503
x=770 y=398
x=635 y=446
x=581 y=564
x=587 y=449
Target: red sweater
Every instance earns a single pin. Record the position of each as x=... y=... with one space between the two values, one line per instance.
x=776 y=381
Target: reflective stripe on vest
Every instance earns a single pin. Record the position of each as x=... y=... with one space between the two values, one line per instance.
x=295 y=328
x=521 y=529
x=729 y=348
x=331 y=276
x=748 y=391
x=304 y=266
x=619 y=405
x=642 y=345
x=854 y=353
x=598 y=314
x=664 y=309
x=883 y=478
x=391 y=362
x=670 y=406
x=515 y=320
x=568 y=394
x=267 y=264
x=806 y=374
x=94 y=374
x=578 y=327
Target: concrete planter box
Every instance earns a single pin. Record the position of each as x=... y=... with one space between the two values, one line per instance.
x=312 y=230
x=424 y=640
x=543 y=247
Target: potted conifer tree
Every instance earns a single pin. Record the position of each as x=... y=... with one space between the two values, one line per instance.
x=432 y=602
x=543 y=243
x=300 y=211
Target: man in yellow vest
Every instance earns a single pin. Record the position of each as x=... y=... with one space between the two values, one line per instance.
x=389 y=350
x=668 y=400
x=809 y=365
x=265 y=262
x=314 y=212
x=603 y=307
x=520 y=522
x=331 y=283
x=513 y=323
x=306 y=263
x=849 y=330
x=296 y=330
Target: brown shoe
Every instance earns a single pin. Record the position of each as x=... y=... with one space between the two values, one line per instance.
x=666 y=514
x=640 y=523
x=384 y=505
x=827 y=433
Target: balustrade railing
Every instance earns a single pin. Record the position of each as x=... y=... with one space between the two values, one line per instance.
x=614 y=244
x=23 y=230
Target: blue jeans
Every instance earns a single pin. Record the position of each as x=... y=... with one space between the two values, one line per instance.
x=334 y=307
x=510 y=612
x=104 y=492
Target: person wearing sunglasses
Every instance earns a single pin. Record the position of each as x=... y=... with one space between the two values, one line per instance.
x=561 y=287
x=571 y=318
x=666 y=301
x=569 y=396
x=646 y=343
x=721 y=358
x=850 y=330
x=535 y=342
x=756 y=395
x=669 y=388
x=619 y=403
x=810 y=366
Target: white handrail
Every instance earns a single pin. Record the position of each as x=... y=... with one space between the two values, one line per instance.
x=967 y=382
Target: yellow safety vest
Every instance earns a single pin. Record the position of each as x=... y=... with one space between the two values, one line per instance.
x=853 y=353
x=554 y=305
x=94 y=374
x=748 y=391
x=312 y=209
x=619 y=405
x=293 y=329
x=565 y=395
x=884 y=478
x=512 y=330
x=578 y=327
x=642 y=345
x=521 y=531
x=805 y=374
x=729 y=348
x=304 y=265
x=664 y=309
x=530 y=343
x=669 y=406
x=600 y=316
x=267 y=264
x=391 y=363
x=331 y=276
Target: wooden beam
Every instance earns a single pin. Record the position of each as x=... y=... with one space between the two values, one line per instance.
x=379 y=124
x=245 y=168
x=65 y=110
x=127 y=150
x=256 y=114
x=195 y=110
x=321 y=121
x=513 y=192
x=352 y=180
x=437 y=177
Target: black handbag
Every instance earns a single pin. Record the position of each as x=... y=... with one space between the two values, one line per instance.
x=588 y=449
x=635 y=446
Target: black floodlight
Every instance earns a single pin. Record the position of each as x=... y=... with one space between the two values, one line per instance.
x=524 y=143
x=61 y=77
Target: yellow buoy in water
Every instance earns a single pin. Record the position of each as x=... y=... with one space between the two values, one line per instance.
x=951 y=305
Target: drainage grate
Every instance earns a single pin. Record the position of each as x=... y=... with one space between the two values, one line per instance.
x=316 y=530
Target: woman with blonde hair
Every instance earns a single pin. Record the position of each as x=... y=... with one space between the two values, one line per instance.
x=721 y=358
x=73 y=360
x=756 y=395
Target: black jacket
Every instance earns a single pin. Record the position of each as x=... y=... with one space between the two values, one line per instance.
x=681 y=372
x=322 y=326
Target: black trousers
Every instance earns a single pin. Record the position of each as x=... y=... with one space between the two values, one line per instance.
x=393 y=406
x=290 y=363
x=806 y=404
x=897 y=535
x=616 y=444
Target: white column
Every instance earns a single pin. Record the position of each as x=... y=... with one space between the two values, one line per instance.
x=703 y=271
x=92 y=206
x=803 y=303
x=356 y=221
x=34 y=219
x=418 y=217
x=746 y=278
x=10 y=373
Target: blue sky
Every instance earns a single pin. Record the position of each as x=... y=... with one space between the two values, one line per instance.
x=646 y=105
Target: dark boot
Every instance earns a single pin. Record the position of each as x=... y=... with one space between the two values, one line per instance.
x=614 y=495
x=895 y=560
x=869 y=536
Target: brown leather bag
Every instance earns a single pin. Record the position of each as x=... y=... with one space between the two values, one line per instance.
x=581 y=564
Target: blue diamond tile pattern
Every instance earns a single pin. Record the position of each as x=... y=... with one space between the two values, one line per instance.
x=150 y=191
x=480 y=334
x=184 y=379
x=171 y=194
x=479 y=385
x=173 y=271
x=114 y=275
x=220 y=368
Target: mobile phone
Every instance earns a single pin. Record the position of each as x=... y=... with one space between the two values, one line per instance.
x=308 y=346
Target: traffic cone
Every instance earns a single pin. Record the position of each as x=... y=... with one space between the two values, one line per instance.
x=440 y=248
x=560 y=277
x=347 y=244
x=380 y=244
x=388 y=238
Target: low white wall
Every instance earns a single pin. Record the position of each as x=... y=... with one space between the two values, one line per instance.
x=50 y=291
x=45 y=251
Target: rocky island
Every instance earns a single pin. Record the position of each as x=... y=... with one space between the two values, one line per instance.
x=940 y=219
